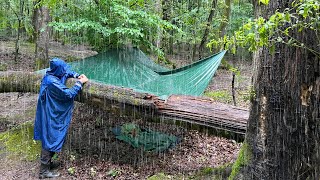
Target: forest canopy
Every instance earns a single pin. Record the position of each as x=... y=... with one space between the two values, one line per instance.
x=162 y=27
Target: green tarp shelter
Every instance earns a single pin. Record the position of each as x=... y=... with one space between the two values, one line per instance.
x=146 y=139
x=131 y=68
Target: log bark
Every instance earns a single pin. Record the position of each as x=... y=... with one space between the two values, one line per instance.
x=194 y=110
x=204 y=111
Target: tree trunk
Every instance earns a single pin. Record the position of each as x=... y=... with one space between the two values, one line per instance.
x=225 y=22
x=41 y=19
x=283 y=127
x=195 y=45
x=166 y=15
x=186 y=109
x=159 y=31
x=17 y=44
x=208 y=27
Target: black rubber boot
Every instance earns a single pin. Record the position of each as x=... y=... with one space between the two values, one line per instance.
x=45 y=172
x=54 y=165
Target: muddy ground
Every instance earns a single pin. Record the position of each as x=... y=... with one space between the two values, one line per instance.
x=92 y=151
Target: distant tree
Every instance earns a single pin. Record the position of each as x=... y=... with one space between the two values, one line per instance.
x=207 y=27
x=41 y=18
x=166 y=15
x=15 y=21
x=226 y=18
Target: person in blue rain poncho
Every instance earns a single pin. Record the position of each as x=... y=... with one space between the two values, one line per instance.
x=54 y=111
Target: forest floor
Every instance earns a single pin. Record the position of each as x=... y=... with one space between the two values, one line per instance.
x=92 y=151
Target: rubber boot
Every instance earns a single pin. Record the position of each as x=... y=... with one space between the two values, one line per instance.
x=54 y=165
x=45 y=172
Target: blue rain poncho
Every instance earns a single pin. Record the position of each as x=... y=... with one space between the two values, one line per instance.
x=55 y=105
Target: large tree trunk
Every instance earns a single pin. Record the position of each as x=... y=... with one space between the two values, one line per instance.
x=41 y=19
x=207 y=29
x=284 y=123
x=186 y=109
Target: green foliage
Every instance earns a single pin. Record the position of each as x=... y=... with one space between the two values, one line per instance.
x=225 y=64
x=220 y=95
x=228 y=66
x=266 y=2
x=214 y=173
x=260 y=32
x=240 y=14
x=19 y=142
x=159 y=176
x=10 y=15
x=3 y=67
x=55 y=157
x=72 y=170
x=110 y=23
x=207 y=171
x=113 y=173
x=48 y=3
x=192 y=19
x=248 y=94
x=243 y=159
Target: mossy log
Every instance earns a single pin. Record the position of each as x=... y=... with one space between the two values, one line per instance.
x=194 y=110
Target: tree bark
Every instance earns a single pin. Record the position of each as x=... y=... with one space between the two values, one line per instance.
x=186 y=109
x=283 y=127
x=41 y=19
x=167 y=42
x=225 y=22
x=195 y=43
x=206 y=31
x=159 y=31
x=20 y=18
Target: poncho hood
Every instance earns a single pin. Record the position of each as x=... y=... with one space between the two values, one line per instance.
x=57 y=67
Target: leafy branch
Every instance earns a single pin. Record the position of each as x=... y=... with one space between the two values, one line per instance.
x=114 y=23
x=303 y=15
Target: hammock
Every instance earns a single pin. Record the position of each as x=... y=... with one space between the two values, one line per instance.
x=131 y=68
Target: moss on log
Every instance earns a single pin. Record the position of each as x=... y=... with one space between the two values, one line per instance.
x=187 y=109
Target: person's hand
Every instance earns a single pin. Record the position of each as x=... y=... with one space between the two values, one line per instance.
x=83 y=78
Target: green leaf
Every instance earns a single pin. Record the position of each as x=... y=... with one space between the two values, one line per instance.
x=265 y=2
x=113 y=173
x=71 y=170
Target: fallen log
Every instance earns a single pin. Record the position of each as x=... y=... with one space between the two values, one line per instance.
x=204 y=111
x=195 y=110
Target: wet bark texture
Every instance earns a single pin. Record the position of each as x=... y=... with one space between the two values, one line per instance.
x=208 y=27
x=41 y=19
x=20 y=28
x=284 y=123
x=226 y=14
x=167 y=42
x=186 y=109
